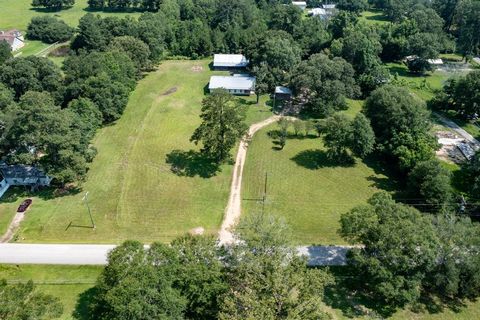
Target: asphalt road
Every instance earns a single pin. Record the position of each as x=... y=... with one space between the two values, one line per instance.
x=96 y=254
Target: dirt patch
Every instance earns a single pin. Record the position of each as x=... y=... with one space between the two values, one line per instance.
x=197 y=68
x=61 y=51
x=13 y=227
x=198 y=231
x=170 y=91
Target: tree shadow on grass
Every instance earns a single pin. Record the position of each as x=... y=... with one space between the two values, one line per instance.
x=192 y=163
x=83 y=307
x=48 y=193
x=314 y=159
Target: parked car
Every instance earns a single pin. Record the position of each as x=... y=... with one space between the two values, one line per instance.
x=24 y=206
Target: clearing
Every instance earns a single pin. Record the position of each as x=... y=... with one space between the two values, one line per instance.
x=133 y=191
x=304 y=187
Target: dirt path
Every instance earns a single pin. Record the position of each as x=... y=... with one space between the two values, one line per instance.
x=234 y=207
x=12 y=228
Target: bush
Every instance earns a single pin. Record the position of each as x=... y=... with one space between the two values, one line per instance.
x=49 y=29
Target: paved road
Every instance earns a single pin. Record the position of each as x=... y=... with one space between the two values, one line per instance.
x=95 y=254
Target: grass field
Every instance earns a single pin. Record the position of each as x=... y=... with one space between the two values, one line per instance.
x=133 y=192
x=305 y=188
x=65 y=282
x=374 y=17
x=16 y=14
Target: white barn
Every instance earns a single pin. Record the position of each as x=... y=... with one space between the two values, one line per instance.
x=229 y=61
x=237 y=84
x=21 y=175
x=14 y=38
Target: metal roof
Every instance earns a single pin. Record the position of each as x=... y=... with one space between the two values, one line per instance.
x=238 y=82
x=230 y=60
x=282 y=90
x=318 y=12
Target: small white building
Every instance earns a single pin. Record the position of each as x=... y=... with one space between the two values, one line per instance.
x=283 y=93
x=239 y=84
x=14 y=38
x=21 y=175
x=435 y=62
x=318 y=12
x=222 y=61
x=300 y=4
x=329 y=6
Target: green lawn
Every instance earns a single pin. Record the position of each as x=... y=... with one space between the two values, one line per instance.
x=305 y=188
x=374 y=17
x=133 y=192
x=68 y=283
x=18 y=13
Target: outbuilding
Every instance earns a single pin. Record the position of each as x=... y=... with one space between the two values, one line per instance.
x=283 y=93
x=300 y=4
x=227 y=61
x=238 y=84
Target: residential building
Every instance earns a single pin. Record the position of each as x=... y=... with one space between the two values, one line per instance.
x=238 y=84
x=21 y=175
x=301 y=4
x=14 y=38
x=226 y=61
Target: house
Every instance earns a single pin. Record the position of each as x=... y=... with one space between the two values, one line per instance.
x=300 y=4
x=329 y=6
x=239 y=84
x=22 y=175
x=283 y=93
x=318 y=12
x=14 y=38
x=225 y=61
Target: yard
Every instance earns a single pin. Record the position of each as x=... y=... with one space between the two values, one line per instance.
x=304 y=187
x=18 y=13
x=133 y=191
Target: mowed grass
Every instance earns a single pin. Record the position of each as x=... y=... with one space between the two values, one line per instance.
x=68 y=283
x=304 y=187
x=133 y=193
x=16 y=14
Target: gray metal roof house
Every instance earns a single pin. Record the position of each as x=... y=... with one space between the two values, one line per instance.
x=21 y=175
x=237 y=84
x=229 y=61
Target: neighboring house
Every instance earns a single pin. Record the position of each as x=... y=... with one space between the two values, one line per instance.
x=238 y=84
x=435 y=62
x=21 y=175
x=301 y=4
x=283 y=93
x=325 y=12
x=14 y=38
x=329 y=6
x=225 y=61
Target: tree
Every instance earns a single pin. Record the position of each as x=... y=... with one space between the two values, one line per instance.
x=467 y=25
x=400 y=249
x=135 y=49
x=200 y=275
x=5 y=52
x=49 y=29
x=401 y=124
x=223 y=123
x=138 y=284
x=32 y=74
x=419 y=65
x=338 y=136
x=461 y=95
x=446 y=9
x=324 y=84
x=471 y=171
x=267 y=280
x=53 y=4
x=23 y=301
x=363 y=137
x=283 y=124
x=432 y=182
x=91 y=35
x=356 y=6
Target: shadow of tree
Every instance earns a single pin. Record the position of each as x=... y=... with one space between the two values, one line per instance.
x=14 y=193
x=192 y=163
x=83 y=309
x=315 y=159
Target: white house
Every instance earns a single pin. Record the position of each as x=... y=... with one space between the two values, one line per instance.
x=14 y=38
x=301 y=4
x=238 y=84
x=20 y=175
x=229 y=61
x=329 y=6
x=435 y=62
x=318 y=12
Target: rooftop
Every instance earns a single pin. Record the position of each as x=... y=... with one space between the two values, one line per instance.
x=21 y=172
x=282 y=90
x=239 y=82
x=229 y=60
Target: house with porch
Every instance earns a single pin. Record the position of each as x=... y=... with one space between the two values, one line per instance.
x=238 y=84
x=22 y=175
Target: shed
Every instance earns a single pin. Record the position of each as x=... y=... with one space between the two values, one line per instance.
x=239 y=84
x=283 y=93
x=229 y=61
x=329 y=6
x=435 y=61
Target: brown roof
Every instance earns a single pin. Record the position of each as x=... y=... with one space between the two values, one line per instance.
x=10 y=35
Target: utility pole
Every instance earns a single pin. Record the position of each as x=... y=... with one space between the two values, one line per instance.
x=85 y=199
